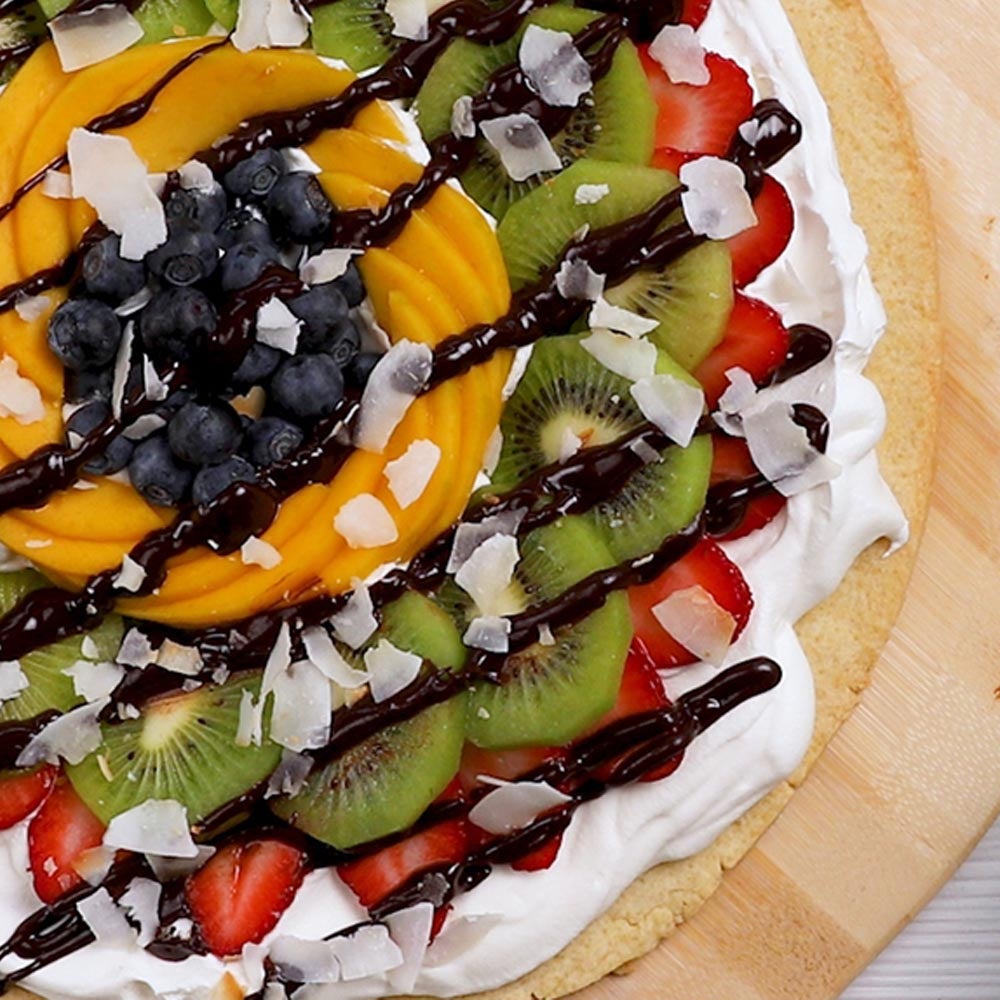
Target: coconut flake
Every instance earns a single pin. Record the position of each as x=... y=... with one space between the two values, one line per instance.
x=135 y=304
x=605 y=316
x=554 y=67
x=391 y=669
x=94 y=864
x=491 y=456
x=301 y=961
x=104 y=918
x=515 y=805
x=250 y=727
x=89 y=648
x=256 y=552
x=262 y=24
x=93 y=681
x=469 y=537
x=136 y=650
x=323 y=653
x=19 y=397
x=356 y=623
x=410 y=929
x=71 y=736
x=463 y=121
x=698 y=623
x=291 y=774
x=632 y=359
x=545 y=636
x=154 y=387
x=92 y=36
x=57 y=185
x=677 y=49
x=32 y=307
x=490 y=633
x=326 y=266
x=278 y=326
x=486 y=575
x=300 y=718
x=365 y=523
x=396 y=381
x=671 y=404
x=141 y=902
x=409 y=18
x=110 y=176
x=409 y=474
x=148 y=423
x=591 y=194
x=569 y=444
x=123 y=364
x=715 y=199
x=131 y=576
x=287 y=26
x=576 y=279
x=196 y=176
x=12 y=680
x=179 y=659
x=523 y=147
x=369 y=951
x=158 y=826
x=278 y=660
x=739 y=396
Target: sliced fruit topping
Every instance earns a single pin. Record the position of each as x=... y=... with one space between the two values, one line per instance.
x=59 y=833
x=160 y=19
x=706 y=567
x=358 y=31
x=694 y=12
x=507 y=765
x=732 y=463
x=384 y=784
x=756 y=340
x=612 y=122
x=690 y=299
x=22 y=794
x=760 y=246
x=241 y=893
x=702 y=120
x=182 y=748
x=567 y=394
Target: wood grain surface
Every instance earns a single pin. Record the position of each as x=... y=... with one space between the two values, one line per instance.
x=912 y=780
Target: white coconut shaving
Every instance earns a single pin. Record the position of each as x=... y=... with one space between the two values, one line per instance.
x=698 y=623
x=155 y=388
x=576 y=279
x=490 y=633
x=250 y=725
x=491 y=456
x=136 y=650
x=20 y=398
x=256 y=552
x=468 y=537
x=409 y=18
x=157 y=827
x=410 y=474
x=487 y=574
x=326 y=266
x=545 y=636
x=605 y=316
x=396 y=381
x=58 y=185
x=323 y=653
x=410 y=930
x=369 y=951
x=671 y=404
x=632 y=359
x=554 y=67
x=515 y=805
x=290 y=776
x=463 y=121
x=123 y=364
x=72 y=736
x=92 y=681
x=678 y=50
x=356 y=623
x=278 y=326
x=13 y=680
x=715 y=199
x=738 y=397
x=92 y=36
x=104 y=918
x=262 y=24
x=365 y=523
x=302 y=961
x=197 y=176
x=32 y=307
x=591 y=194
x=93 y=864
x=135 y=304
x=522 y=145
x=148 y=423
x=109 y=175
x=300 y=717
x=179 y=659
x=391 y=669
x=141 y=901
x=131 y=576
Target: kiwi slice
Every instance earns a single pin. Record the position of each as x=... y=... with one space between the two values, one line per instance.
x=224 y=11
x=357 y=31
x=27 y=25
x=564 y=388
x=549 y=694
x=615 y=121
x=183 y=748
x=384 y=784
x=160 y=19
x=48 y=687
x=691 y=298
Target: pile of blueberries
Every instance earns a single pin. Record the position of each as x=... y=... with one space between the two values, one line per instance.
x=220 y=241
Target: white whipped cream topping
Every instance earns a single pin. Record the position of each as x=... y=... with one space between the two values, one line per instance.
x=515 y=921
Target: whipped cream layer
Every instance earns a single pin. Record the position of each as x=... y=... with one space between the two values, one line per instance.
x=515 y=921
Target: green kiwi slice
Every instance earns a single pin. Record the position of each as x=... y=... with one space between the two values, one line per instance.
x=160 y=19
x=357 y=31
x=26 y=25
x=384 y=784
x=184 y=748
x=48 y=687
x=549 y=694
x=566 y=388
x=615 y=121
x=691 y=298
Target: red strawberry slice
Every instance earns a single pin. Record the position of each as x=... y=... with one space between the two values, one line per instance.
x=243 y=890
x=22 y=794
x=666 y=158
x=58 y=834
x=508 y=765
x=755 y=340
x=373 y=878
x=732 y=463
x=694 y=12
x=760 y=246
x=541 y=858
x=707 y=566
x=700 y=120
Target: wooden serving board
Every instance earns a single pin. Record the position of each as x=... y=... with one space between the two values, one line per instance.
x=912 y=781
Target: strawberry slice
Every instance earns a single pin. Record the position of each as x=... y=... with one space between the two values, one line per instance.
x=699 y=120
x=22 y=794
x=707 y=566
x=377 y=876
x=243 y=890
x=58 y=834
x=760 y=246
x=694 y=12
x=755 y=340
x=541 y=858
x=508 y=765
x=732 y=463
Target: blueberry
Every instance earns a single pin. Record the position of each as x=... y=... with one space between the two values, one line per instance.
x=255 y=176
x=190 y=255
x=81 y=386
x=244 y=225
x=204 y=433
x=84 y=334
x=308 y=386
x=271 y=439
x=344 y=344
x=107 y=275
x=321 y=310
x=214 y=479
x=351 y=286
x=257 y=367
x=157 y=474
x=202 y=209
x=176 y=400
x=86 y=420
x=361 y=368
x=172 y=322
x=244 y=263
x=298 y=209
